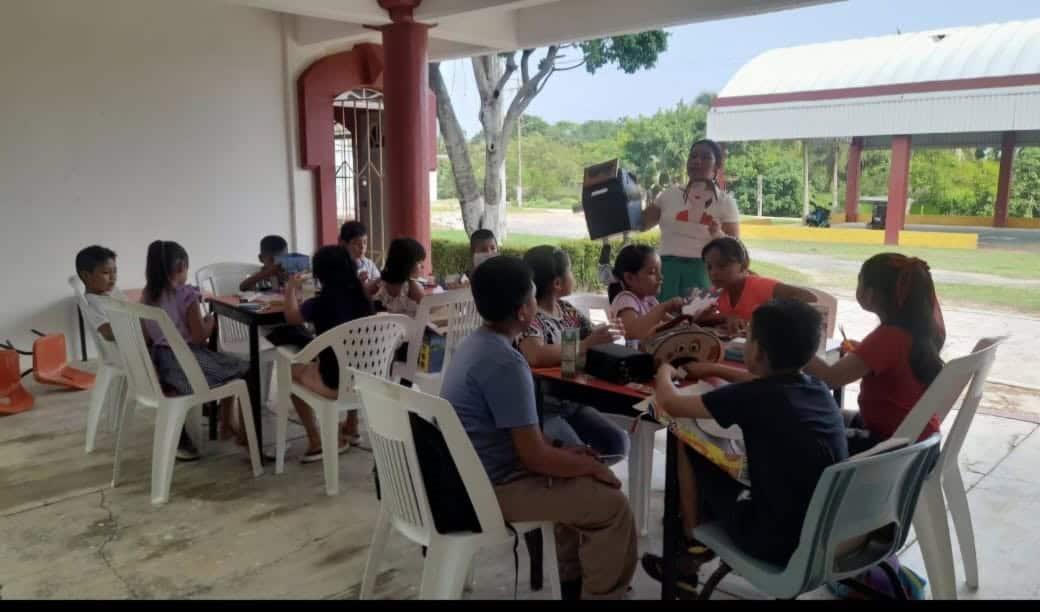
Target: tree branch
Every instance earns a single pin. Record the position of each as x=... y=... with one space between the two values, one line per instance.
x=458 y=153
x=530 y=87
x=525 y=70
x=480 y=74
x=507 y=73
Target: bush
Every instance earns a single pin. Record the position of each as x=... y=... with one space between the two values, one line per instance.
x=450 y=257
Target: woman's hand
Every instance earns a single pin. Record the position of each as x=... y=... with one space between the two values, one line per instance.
x=715 y=228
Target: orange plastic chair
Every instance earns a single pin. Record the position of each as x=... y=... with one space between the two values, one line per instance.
x=13 y=396
x=51 y=366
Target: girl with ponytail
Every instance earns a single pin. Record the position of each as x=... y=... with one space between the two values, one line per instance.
x=166 y=286
x=898 y=360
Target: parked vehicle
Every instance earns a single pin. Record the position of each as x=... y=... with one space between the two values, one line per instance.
x=877 y=218
x=819 y=216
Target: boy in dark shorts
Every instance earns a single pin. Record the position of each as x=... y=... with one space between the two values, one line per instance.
x=792 y=429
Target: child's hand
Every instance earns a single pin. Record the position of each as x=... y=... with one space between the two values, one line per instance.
x=603 y=334
x=847 y=346
x=363 y=277
x=715 y=228
x=295 y=282
x=697 y=370
x=675 y=304
x=665 y=374
x=736 y=326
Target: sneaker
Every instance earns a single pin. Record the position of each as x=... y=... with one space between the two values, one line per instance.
x=186 y=450
x=686 y=580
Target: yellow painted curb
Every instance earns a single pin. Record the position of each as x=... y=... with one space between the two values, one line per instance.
x=938 y=240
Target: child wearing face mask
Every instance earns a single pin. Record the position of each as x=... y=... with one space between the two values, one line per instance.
x=482 y=247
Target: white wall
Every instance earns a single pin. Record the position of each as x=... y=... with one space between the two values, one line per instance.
x=126 y=121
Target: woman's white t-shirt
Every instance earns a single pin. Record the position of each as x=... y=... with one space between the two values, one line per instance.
x=684 y=224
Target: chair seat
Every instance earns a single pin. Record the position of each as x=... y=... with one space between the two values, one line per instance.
x=764 y=575
x=353 y=400
x=66 y=377
x=241 y=347
x=427 y=382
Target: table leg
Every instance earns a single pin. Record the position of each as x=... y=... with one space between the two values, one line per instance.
x=253 y=382
x=672 y=525
x=534 y=549
x=212 y=410
x=82 y=333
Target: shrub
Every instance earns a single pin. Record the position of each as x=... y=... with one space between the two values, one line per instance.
x=450 y=257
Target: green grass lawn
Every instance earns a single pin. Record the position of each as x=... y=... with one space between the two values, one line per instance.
x=1016 y=299
x=999 y=262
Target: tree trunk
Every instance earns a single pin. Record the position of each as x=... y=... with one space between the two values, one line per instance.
x=471 y=200
x=489 y=71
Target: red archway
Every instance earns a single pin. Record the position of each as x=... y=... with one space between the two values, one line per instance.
x=317 y=88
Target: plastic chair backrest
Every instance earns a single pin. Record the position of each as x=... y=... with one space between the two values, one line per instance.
x=463 y=319
x=367 y=345
x=108 y=351
x=861 y=512
x=829 y=304
x=969 y=371
x=587 y=302
x=127 y=321
x=387 y=406
x=223 y=279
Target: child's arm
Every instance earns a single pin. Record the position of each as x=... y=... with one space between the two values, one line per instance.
x=415 y=291
x=105 y=331
x=540 y=457
x=265 y=273
x=542 y=355
x=670 y=402
x=200 y=327
x=849 y=368
x=640 y=327
x=293 y=316
x=371 y=287
x=700 y=371
x=789 y=292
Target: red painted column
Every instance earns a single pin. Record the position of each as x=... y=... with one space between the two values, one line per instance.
x=852 y=172
x=406 y=121
x=898 y=188
x=1007 y=160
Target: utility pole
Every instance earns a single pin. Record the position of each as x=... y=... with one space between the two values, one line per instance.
x=758 y=195
x=805 y=178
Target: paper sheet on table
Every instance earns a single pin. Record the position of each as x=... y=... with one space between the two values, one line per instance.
x=697 y=305
x=722 y=446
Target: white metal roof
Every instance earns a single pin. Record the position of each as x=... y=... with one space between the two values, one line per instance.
x=950 y=87
x=998 y=49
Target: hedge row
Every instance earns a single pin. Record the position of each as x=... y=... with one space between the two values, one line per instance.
x=450 y=257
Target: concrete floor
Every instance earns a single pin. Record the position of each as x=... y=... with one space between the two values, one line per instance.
x=65 y=533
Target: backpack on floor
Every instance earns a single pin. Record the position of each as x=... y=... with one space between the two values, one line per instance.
x=875 y=578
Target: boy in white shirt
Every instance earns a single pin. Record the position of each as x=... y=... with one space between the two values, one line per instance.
x=353 y=236
x=96 y=267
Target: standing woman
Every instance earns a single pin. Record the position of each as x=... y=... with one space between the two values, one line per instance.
x=690 y=217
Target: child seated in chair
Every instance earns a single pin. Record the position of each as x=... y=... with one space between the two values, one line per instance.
x=482 y=246
x=490 y=386
x=792 y=431
x=573 y=424
x=399 y=292
x=272 y=277
x=353 y=237
x=342 y=299
x=96 y=267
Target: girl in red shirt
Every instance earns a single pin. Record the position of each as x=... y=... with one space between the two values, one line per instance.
x=898 y=360
x=742 y=291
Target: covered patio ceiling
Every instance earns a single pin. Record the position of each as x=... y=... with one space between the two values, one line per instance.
x=466 y=28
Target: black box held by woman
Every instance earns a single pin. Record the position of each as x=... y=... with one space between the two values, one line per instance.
x=611 y=200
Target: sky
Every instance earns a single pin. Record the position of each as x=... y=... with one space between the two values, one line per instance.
x=703 y=56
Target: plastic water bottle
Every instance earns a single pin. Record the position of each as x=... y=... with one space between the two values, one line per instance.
x=569 y=352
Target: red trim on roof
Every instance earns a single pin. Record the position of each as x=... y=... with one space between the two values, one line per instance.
x=1016 y=80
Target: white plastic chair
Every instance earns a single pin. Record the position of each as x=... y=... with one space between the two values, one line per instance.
x=587 y=302
x=365 y=344
x=463 y=319
x=641 y=453
x=126 y=320
x=405 y=505
x=223 y=279
x=109 y=392
x=930 y=524
x=829 y=303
